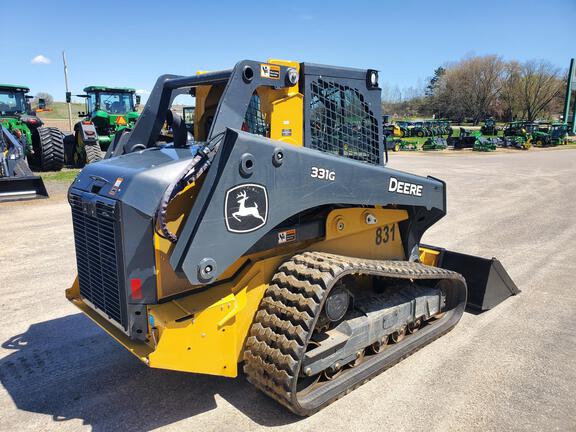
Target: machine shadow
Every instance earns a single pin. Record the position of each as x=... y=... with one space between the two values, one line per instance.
x=70 y=369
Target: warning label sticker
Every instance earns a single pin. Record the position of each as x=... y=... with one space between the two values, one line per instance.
x=287 y=236
x=270 y=71
x=116 y=186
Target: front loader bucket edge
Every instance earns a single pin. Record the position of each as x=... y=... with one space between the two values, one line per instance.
x=489 y=284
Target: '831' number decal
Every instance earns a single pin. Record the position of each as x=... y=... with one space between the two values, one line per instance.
x=385 y=234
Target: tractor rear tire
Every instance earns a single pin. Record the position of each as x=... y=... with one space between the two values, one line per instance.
x=420 y=134
x=48 y=145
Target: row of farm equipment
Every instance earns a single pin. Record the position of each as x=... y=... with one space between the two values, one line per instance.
x=518 y=134
x=419 y=129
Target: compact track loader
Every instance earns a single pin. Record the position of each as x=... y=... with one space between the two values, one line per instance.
x=17 y=182
x=277 y=238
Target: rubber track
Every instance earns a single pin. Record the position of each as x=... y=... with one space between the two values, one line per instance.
x=93 y=153
x=288 y=312
x=52 y=149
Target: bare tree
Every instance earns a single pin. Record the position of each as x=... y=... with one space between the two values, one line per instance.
x=510 y=92
x=469 y=88
x=540 y=85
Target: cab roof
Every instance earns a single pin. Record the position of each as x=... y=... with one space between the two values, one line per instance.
x=15 y=87
x=106 y=88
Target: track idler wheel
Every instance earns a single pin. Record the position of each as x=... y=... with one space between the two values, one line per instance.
x=415 y=326
x=333 y=372
x=398 y=335
x=379 y=346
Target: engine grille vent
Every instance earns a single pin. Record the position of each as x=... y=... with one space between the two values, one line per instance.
x=96 y=238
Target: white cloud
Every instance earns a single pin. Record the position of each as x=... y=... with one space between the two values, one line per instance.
x=142 y=92
x=40 y=59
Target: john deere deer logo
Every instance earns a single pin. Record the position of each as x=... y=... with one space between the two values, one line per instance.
x=246 y=211
x=246 y=208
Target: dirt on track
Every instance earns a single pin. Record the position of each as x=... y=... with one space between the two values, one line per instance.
x=511 y=368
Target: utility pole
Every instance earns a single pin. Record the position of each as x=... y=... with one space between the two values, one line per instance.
x=67 y=91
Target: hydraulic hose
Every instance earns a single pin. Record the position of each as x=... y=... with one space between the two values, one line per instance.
x=191 y=172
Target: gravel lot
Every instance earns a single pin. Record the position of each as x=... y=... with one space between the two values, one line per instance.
x=511 y=368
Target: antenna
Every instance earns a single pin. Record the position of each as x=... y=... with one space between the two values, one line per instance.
x=67 y=91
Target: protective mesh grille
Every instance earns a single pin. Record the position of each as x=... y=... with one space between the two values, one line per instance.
x=254 y=120
x=96 y=257
x=342 y=123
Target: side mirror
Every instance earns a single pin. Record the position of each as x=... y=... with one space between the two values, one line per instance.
x=68 y=97
x=138 y=100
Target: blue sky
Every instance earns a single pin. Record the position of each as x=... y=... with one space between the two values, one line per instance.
x=404 y=39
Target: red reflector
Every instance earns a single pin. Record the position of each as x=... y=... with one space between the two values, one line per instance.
x=18 y=133
x=136 y=288
x=86 y=122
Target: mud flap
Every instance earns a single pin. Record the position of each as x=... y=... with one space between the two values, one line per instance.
x=22 y=188
x=489 y=284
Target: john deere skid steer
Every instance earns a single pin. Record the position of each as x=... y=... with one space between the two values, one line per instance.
x=277 y=238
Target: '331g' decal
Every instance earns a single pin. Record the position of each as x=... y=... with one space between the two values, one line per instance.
x=322 y=174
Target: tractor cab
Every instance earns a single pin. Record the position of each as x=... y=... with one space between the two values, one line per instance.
x=108 y=111
x=111 y=103
x=559 y=130
x=531 y=127
x=557 y=134
x=13 y=100
x=15 y=109
x=42 y=146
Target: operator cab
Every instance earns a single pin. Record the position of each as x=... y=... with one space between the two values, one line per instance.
x=13 y=100
x=112 y=100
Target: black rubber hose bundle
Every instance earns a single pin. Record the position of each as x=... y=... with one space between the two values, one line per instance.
x=197 y=166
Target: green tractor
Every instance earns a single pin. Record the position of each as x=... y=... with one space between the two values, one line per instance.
x=489 y=127
x=555 y=134
x=420 y=130
x=405 y=128
x=43 y=146
x=109 y=110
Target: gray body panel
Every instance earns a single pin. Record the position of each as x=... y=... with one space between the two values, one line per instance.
x=290 y=188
